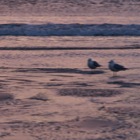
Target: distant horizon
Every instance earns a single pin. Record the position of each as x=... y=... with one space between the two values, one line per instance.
x=70 y=8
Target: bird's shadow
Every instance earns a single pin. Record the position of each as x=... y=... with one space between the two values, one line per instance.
x=95 y=72
x=59 y=70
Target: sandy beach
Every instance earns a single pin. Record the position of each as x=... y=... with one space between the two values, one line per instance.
x=47 y=91
x=65 y=100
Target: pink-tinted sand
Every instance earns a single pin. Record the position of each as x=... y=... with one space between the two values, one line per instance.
x=67 y=101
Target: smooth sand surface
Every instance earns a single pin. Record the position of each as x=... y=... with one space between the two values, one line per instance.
x=70 y=102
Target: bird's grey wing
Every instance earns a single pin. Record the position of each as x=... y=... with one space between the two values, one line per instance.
x=96 y=64
x=119 y=67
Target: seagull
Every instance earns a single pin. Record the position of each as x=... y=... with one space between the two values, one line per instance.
x=115 y=67
x=92 y=64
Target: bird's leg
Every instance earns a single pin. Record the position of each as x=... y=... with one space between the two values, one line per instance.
x=114 y=74
x=92 y=71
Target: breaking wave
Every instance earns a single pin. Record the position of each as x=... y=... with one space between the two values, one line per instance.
x=69 y=30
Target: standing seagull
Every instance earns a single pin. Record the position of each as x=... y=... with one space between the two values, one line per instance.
x=92 y=64
x=115 y=67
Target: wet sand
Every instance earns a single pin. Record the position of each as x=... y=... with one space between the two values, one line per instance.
x=64 y=100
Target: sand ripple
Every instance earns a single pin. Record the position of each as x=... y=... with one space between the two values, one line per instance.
x=89 y=92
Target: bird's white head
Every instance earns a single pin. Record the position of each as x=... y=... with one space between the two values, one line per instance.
x=111 y=62
x=89 y=59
